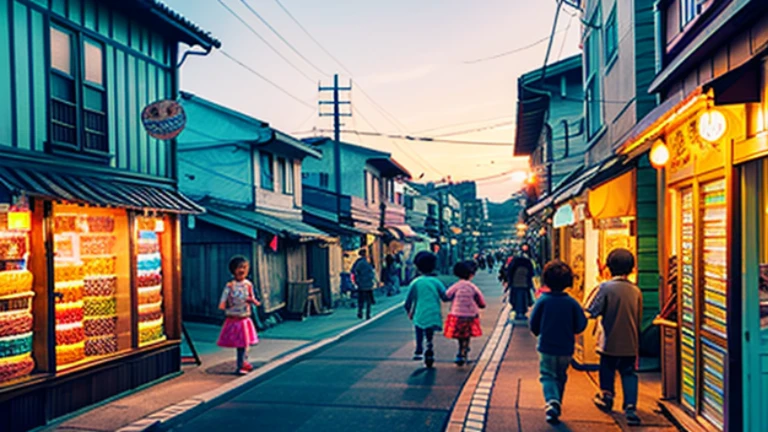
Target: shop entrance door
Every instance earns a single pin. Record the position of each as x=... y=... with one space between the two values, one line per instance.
x=754 y=202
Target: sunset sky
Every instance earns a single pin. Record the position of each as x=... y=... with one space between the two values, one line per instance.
x=414 y=58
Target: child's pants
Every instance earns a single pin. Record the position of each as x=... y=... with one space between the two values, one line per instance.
x=420 y=334
x=553 y=372
x=626 y=366
x=364 y=299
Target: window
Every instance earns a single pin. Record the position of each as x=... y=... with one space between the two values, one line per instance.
x=78 y=92
x=432 y=210
x=324 y=180
x=368 y=186
x=592 y=87
x=611 y=37
x=287 y=176
x=266 y=164
x=689 y=9
x=409 y=202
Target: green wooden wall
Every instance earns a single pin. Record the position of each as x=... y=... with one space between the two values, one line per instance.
x=138 y=71
x=647 y=240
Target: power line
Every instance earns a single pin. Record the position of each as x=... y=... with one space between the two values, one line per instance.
x=506 y=53
x=464 y=124
x=267 y=80
x=253 y=30
x=423 y=139
x=565 y=38
x=484 y=128
x=285 y=41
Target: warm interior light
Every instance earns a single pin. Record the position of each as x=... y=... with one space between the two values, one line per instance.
x=712 y=125
x=19 y=220
x=659 y=154
x=159 y=225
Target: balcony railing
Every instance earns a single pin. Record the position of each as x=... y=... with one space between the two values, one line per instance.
x=329 y=201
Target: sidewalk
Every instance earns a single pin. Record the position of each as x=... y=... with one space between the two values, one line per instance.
x=517 y=403
x=217 y=367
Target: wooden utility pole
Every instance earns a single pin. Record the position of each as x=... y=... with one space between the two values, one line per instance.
x=337 y=115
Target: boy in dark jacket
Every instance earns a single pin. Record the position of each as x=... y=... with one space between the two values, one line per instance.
x=365 y=279
x=556 y=319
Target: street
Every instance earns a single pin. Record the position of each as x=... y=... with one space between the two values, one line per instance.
x=366 y=382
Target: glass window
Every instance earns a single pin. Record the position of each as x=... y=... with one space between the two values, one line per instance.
x=61 y=51
x=611 y=36
x=593 y=91
x=267 y=171
x=94 y=63
x=281 y=172
x=150 y=283
x=92 y=283
x=288 y=177
x=689 y=9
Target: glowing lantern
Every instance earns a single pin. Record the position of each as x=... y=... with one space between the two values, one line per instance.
x=19 y=220
x=659 y=154
x=712 y=125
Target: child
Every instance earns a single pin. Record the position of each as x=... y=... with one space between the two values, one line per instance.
x=620 y=304
x=238 y=330
x=365 y=279
x=423 y=305
x=556 y=319
x=463 y=321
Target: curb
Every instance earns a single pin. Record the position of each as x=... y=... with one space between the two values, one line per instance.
x=173 y=415
x=470 y=411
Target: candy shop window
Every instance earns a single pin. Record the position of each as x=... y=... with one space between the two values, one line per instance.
x=16 y=295
x=92 y=277
x=151 y=285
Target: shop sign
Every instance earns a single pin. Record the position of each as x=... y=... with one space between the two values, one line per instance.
x=164 y=119
x=695 y=142
x=712 y=125
x=564 y=216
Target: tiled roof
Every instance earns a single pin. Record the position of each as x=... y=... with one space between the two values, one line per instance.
x=176 y=17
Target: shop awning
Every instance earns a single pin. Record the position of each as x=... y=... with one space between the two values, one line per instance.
x=614 y=198
x=402 y=232
x=95 y=190
x=248 y=222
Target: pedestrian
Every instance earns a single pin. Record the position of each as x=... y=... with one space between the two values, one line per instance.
x=619 y=303
x=556 y=319
x=365 y=279
x=423 y=305
x=481 y=262
x=463 y=321
x=491 y=262
x=238 y=330
x=520 y=284
x=391 y=276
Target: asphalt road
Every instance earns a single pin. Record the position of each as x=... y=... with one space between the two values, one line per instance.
x=365 y=382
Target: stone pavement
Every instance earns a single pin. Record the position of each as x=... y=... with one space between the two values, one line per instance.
x=517 y=403
x=217 y=367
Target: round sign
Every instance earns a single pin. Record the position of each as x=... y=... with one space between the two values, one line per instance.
x=712 y=125
x=164 y=119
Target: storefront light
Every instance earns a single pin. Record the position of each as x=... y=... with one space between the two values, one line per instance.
x=19 y=220
x=712 y=125
x=659 y=154
x=159 y=225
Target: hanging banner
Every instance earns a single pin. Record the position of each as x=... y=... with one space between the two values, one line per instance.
x=164 y=119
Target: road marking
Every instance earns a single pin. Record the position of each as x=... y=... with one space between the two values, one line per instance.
x=471 y=409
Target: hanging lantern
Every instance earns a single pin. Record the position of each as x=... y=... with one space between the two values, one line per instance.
x=659 y=154
x=19 y=216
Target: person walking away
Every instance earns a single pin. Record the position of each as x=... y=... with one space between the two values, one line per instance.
x=391 y=276
x=463 y=321
x=365 y=279
x=556 y=319
x=238 y=330
x=423 y=306
x=619 y=303
x=520 y=285
x=481 y=262
x=491 y=262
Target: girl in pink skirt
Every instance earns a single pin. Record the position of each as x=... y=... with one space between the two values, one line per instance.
x=236 y=300
x=463 y=321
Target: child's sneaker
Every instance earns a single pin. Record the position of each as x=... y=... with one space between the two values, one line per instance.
x=631 y=414
x=242 y=372
x=553 y=412
x=603 y=402
x=459 y=360
x=418 y=355
x=247 y=367
x=429 y=358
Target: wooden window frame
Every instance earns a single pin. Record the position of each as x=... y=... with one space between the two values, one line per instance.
x=77 y=76
x=262 y=174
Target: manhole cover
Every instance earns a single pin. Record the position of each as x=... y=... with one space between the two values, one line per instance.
x=228 y=368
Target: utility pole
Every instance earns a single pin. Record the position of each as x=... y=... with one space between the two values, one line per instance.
x=337 y=115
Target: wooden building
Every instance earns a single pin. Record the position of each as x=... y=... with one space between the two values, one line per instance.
x=90 y=283
x=250 y=185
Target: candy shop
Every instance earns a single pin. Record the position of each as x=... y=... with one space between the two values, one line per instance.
x=89 y=287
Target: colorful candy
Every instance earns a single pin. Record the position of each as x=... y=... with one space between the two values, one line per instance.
x=15 y=281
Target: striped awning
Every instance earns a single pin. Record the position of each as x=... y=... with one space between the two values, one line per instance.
x=95 y=190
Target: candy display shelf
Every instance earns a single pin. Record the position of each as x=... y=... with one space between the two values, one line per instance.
x=150 y=280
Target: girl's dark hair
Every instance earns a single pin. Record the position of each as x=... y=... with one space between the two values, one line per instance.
x=465 y=269
x=557 y=276
x=235 y=262
x=425 y=262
